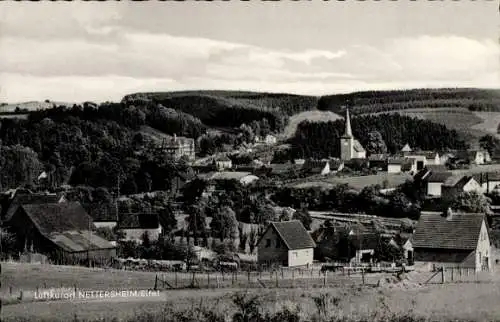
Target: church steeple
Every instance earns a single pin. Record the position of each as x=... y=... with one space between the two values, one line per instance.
x=348 y=130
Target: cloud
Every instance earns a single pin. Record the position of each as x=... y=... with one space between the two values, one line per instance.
x=96 y=59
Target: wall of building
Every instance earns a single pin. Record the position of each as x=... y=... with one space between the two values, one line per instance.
x=429 y=258
x=105 y=224
x=271 y=254
x=483 y=249
x=300 y=257
x=394 y=168
x=434 y=188
x=346 y=148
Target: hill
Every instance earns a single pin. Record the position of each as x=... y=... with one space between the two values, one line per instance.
x=311 y=116
x=30 y=106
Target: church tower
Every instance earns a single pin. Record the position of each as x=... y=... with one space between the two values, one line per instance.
x=347 y=140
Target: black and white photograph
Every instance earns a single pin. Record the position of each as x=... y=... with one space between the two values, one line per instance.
x=250 y=161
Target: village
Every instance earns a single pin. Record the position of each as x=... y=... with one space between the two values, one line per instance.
x=50 y=229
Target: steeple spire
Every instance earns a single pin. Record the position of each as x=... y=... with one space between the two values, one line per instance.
x=348 y=131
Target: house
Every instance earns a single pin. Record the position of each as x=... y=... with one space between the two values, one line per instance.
x=452 y=240
x=178 y=147
x=222 y=163
x=270 y=139
x=350 y=148
x=63 y=231
x=423 y=158
x=403 y=242
x=488 y=181
x=135 y=225
x=473 y=156
x=435 y=181
x=377 y=161
x=313 y=167
x=398 y=165
x=336 y=165
x=457 y=184
x=286 y=243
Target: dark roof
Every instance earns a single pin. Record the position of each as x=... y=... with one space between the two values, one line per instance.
x=58 y=217
x=401 y=161
x=439 y=176
x=29 y=198
x=486 y=176
x=357 y=146
x=314 y=166
x=378 y=157
x=139 y=221
x=293 y=234
x=461 y=232
x=335 y=164
x=436 y=167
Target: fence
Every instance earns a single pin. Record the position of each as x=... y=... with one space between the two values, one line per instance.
x=284 y=278
x=460 y=275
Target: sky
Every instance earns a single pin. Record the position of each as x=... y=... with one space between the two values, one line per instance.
x=85 y=51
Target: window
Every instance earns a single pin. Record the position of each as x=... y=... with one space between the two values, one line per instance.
x=278 y=243
x=268 y=243
x=295 y=254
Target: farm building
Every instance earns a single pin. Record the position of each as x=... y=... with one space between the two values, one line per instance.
x=286 y=243
x=398 y=165
x=452 y=240
x=350 y=148
x=135 y=225
x=62 y=229
x=474 y=156
x=423 y=158
x=377 y=161
x=457 y=184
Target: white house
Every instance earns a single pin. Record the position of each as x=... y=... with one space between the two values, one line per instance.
x=435 y=182
x=457 y=184
x=222 y=163
x=286 y=243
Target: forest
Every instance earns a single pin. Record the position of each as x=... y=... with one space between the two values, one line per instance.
x=321 y=139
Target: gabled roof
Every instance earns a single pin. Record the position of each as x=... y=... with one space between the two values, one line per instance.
x=293 y=234
x=358 y=147
x=29 y=198
x=461 y=232
x=315 y=166
x=439 y=176
x=58 y=217
x=398 y=161
x=336 y=164
x=457 y=181
x=437 y=167
x=406 y=148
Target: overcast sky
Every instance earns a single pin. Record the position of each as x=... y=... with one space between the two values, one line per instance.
x=75 y=51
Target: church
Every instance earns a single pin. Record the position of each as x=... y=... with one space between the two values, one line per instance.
x=350 y=148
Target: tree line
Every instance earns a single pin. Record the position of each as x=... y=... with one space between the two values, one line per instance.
x=321 y=139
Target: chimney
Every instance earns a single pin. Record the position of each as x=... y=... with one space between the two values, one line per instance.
x=449 y=214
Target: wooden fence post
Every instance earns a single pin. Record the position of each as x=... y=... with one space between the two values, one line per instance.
x=217 y=279
x=452 y=269
x=156 y=283
x=208 y=279
x=277 y=284
x=10 y=290
x=363 y=275
x=443 y=280
x=325 y=278
x=175 y=278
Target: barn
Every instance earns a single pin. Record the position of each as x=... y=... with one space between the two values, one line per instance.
x=452 y=240
x=286 y=243
x=63 y=231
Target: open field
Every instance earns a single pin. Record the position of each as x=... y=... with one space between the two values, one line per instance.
x=490 y=122
x=392 y=180
x=473 y=302
x=312 y=116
